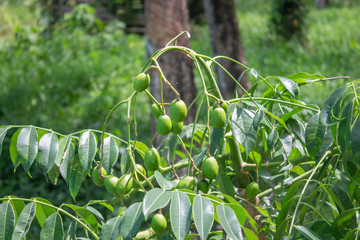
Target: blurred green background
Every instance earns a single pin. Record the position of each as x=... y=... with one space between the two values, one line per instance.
x=67 y=75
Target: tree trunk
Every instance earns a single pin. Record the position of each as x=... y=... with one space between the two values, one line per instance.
x=164 y=20
x=320 y=4
x=226 y=40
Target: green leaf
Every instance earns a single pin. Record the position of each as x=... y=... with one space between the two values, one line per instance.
x=7 y=220
x=48 y=149
x=217 y=140
x=243 y=123
x=224 y=181
x=203 y=213
x=53 y=228
x=314 y=135
x=344 y=128
x=229 y=221
x=250 y=235
x=164 y=183
x=272 y=139
x=326 y=116
x=132 y=220
x=307 y=233
x=43 y=211
x=86 y=215
x=53 y=174
x=155 y=199
x=27 y=147
x=290 y=85
x=355 y=140
x=23 y=223
x=180 y=214
x=76 y=177
x=63 y=150
x=124 y=162
x=68 y=158
x=3 y=132
x=111 y=153
x=13 y=152
x=342 y=223
x=140 y=148
x=18 y=206
x=302 y=78
x=111 y=229
x=87 y=149
x=285 y=207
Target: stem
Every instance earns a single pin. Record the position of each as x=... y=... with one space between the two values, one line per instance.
x=57 y=209
x=303 y=191
x=187 y=153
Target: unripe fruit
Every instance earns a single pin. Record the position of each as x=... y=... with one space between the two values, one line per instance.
x=124 y=184
x=95 y=176
x=187 y=182
x=252 y=190
x=140 y=169
x=178 y=111
x=158 y=223
x=152 y=159
x=141 y=82
x=155 y=111
x=210 y=168
x=176 y=127
x=163 y=125
x=110 y=183
x=203 y=186
x=224 y=106
x=121 y=211
x=218 y=118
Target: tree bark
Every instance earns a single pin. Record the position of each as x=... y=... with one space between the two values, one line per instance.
x=164 y=20
x=226 y=40
x=320 y=4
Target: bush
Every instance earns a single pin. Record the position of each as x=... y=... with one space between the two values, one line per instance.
x=299 y=161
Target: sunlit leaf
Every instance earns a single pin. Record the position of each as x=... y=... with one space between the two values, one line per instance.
x=7 y=221
x=76 y=177
x=180 y=214
x=203 y=213
x=43 y=211
x=3 y=132
x=27 y=147
x=111 y=153
x=314 y=135
x=132 y=220
x=53 y=228
x=23 y=223
x=111 y=229
x=86 y=215
x=164 y=183
x=87 y=149
x=48 y=149
x=155 y=199
x=229 y=221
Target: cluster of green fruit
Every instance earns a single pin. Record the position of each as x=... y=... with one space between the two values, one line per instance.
x=115 y=185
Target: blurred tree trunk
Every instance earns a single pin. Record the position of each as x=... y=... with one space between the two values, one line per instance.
x=164 y=20
x=226 y=40
x=320 y=4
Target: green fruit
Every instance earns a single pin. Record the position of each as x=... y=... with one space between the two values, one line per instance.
x=252 y=190
x=95 y=176
x=176 y=127
x=187 y=182
x=158 y=223
x=218 y=118
x=203 y=186
x=155 y=111
x=210 y=168
x=110 y=183
x=141 y=82
x=224 y=106
x=121 y=211
x=163 y=125
x=140 y=169
x=152 y=159
x=124 y=184
x=178 y=111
